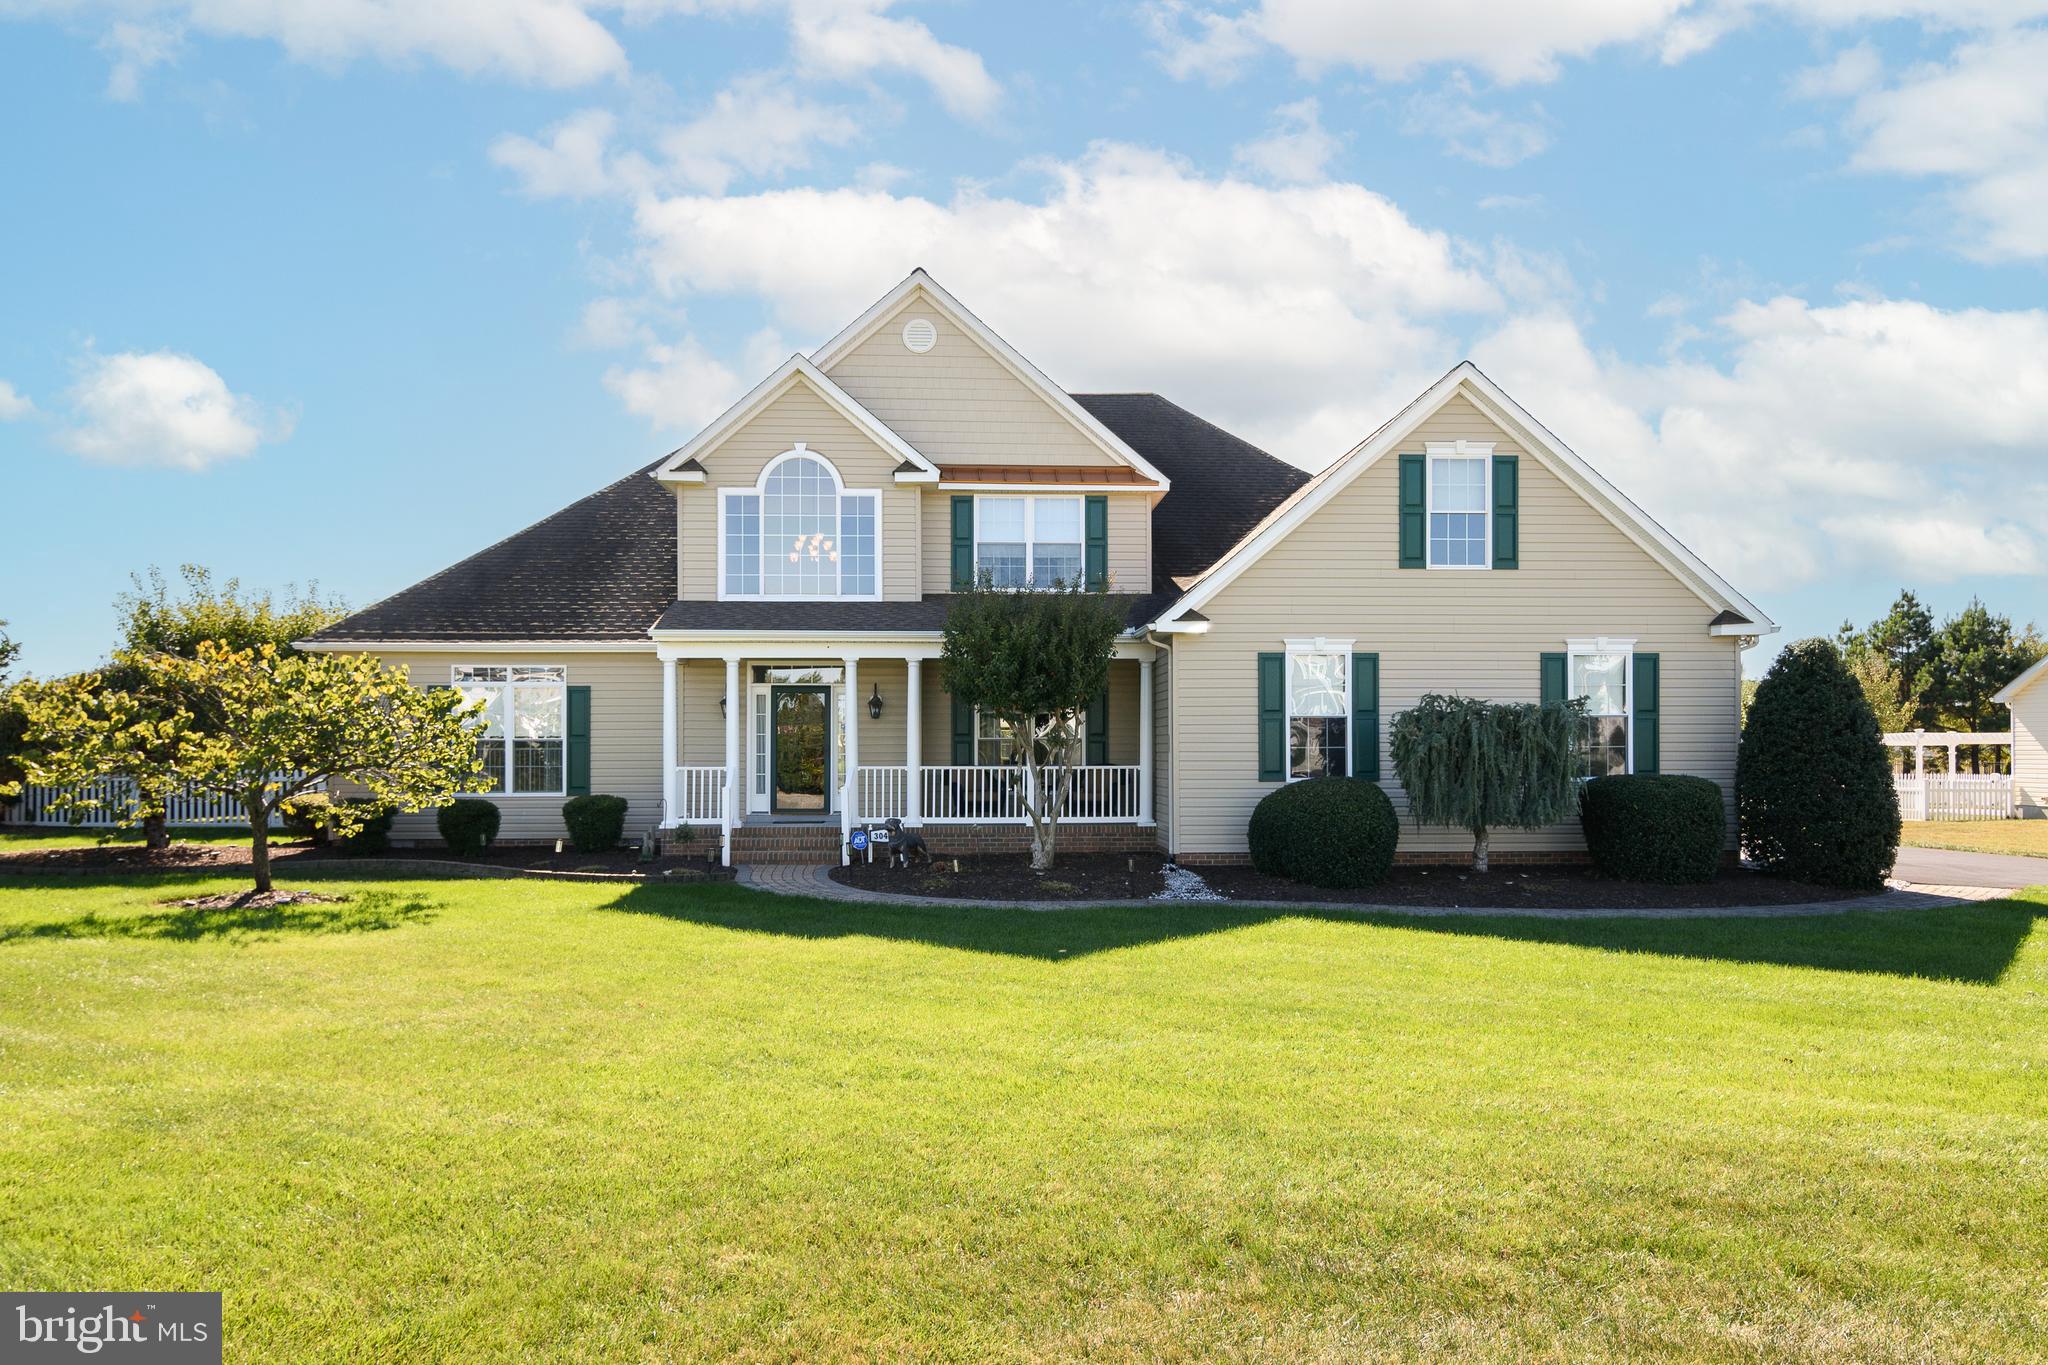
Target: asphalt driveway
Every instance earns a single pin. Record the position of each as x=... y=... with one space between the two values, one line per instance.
x=1946 y=867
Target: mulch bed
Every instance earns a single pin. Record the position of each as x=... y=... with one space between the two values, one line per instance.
x=231 y=857
x=1098 y=877
x=255 y=900
x=1008 y=877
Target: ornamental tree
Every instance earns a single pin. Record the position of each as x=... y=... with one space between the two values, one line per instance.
x=1483 y=765
x=259 y=726
x=1033 y=659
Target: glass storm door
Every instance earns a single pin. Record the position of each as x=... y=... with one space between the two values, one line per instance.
x=801 y=758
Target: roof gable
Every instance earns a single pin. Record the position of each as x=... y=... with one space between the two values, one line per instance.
x=918 y=290
x=685 y=464
x=1468 y=381
x=2010 y=693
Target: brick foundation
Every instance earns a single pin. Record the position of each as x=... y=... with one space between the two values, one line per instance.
x=963 y=839
x=1499 y=858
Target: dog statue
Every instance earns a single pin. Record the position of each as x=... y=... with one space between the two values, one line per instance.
x=905 y=845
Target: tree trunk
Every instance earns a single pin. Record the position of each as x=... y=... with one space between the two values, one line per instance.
x=156 y=832
x=1480 y=838
x=259 y=844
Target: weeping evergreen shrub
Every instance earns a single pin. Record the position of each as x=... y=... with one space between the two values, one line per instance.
x=1326 y=831
x=1483 y=765
x=1644 y=828
x=1813 y=783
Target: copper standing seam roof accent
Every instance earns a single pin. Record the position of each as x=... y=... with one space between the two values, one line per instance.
x=1043 y=474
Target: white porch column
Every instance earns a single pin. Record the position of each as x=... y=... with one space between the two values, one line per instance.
x=735 y=707
x=669 y=812
x=1145 y=740
x=849 y=804
x=913 y=743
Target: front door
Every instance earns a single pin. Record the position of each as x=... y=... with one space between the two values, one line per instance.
x=800 y=720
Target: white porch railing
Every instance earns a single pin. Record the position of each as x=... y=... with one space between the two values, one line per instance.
x=112 y=797
x=699 y=789
x=884 y=792
x=959 y=795
x=1959 y=796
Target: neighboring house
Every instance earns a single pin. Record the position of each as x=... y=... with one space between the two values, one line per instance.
x=2027 y=698
x=760 y=612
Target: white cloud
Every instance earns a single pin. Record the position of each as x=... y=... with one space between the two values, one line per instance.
x=758 y=126
x=14 y=404
x=1978 y=121
x=164 y=409
x=1296 y=152
x=1510 y=42
x=135 y=48
x=681 y=387
x=1874 y=434
x=1466 y=130
x=848 y=39
x=573 y=163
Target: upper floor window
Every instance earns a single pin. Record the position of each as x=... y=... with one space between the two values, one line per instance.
x=523 y=736
x=1460 y=494
x=800 y=533
x=1602 y=673
x=1318 y=708
x=1028 y=542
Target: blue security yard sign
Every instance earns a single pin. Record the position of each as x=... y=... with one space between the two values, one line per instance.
x=859 y=840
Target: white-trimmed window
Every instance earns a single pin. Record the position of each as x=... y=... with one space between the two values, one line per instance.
x=1460 y=504
x=1021 y=541
x=1601 y=672
x=996 y=744
x=524 y=731
x=799 y=532
x=1318 y=708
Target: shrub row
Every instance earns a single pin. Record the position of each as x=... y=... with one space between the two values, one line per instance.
x=467 y=824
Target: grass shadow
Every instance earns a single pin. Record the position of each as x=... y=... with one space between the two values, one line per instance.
x=363 y=912
x=1968 y=943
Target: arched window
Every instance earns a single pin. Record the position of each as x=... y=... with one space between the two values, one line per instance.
x=799 y=533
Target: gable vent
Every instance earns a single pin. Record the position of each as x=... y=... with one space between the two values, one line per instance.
x=919 y=335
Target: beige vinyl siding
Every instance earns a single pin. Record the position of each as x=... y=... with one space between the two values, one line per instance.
x=1130 y=540
x=2030 y=750
x=1162 y=746
x=625 y=738
x=938 y=715
x=956 y=403
x=736 y=462
x=1480 y=633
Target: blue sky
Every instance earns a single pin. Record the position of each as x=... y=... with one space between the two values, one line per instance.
x=345 y=290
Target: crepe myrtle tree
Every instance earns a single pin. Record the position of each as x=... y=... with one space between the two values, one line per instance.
x=1484 y=765
x=1034 y=659
x=259 y=726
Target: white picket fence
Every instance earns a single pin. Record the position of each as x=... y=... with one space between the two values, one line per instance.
x=112 y=798
x=1959 y=796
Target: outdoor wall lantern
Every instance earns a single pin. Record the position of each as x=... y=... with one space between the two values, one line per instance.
x=721 y=706
x=875 y=703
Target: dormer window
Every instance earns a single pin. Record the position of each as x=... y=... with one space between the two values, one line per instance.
x=799 y=533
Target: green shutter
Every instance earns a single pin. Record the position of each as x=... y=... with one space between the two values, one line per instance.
x=1414 y=513
x=963 y=543
x=1647 y=740
x=1553 y=678
x=1507 y=518
x=1272 y=718
x=1098 y=543
x=963 y=734
x=579 y=741
x=1098 y=729
x=1365 y=716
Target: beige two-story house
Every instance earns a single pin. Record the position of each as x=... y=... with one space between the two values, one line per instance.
x=742 y=638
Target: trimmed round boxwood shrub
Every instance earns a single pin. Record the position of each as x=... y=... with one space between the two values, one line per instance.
x=1813 y=783
x=305 y=816
x=375 y=834
x=468 y=824
x=1326 y=831
x=1654 y=829
x=596 y=823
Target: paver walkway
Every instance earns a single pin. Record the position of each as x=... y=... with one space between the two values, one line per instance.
x=788 y=880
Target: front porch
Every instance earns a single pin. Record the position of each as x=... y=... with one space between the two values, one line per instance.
x=839 y=736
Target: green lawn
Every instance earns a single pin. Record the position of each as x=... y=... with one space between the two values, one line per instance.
x=31 y=839
x=492 y=1120
x=2026 y=837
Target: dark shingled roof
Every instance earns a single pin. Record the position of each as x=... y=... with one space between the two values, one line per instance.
x=604 y=568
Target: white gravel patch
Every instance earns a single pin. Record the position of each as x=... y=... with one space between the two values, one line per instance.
x=1184 y=884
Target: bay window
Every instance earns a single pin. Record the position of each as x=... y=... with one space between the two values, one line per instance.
x=522 y=735
x=799 y=533
x=1028 y=542
x=1318 y=708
